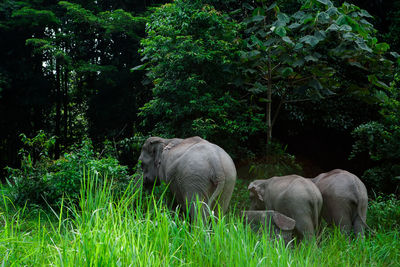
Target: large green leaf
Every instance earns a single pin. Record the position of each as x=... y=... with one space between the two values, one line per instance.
x=395 y=54
x=374 y=80
x=309 y=39
x=325 y=2
x=294 y=25
x=361 y=44
x=299 y=15
x=333 y=27
x=365 y=13
x=311 y=58
x=281 y=31
x=332 y=11
x=287 y=40
x=139 y=67
x=283 y=18
x=323 y=17
x=256 y=18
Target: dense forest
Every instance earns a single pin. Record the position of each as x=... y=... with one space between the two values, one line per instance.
x=284 y=87
x=258 y=79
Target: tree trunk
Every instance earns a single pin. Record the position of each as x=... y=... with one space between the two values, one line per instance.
x=65 y=102
x=269 y=103
x=58 y=111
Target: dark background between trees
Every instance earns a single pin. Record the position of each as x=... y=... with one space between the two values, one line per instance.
x=66 y=68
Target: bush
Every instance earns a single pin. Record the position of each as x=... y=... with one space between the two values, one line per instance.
x=42 y=180
x=380 y=140
x=384 y=213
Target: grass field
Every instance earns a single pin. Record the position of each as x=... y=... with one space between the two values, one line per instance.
x=137 y=229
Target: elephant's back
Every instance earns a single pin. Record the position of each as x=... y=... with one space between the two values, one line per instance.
x=295 y=188
x=341 y=184
x=198 y=156
x=305 y=189
x=302 y=194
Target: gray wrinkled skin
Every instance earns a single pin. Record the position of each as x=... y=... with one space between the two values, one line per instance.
x=193 y=168
x=345 y=200
x=279 y=225
x=293 y=196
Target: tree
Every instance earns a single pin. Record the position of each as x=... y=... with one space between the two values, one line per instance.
x=191 y=54
x=65 y=68
x=380 y=141
x=318 y=52
x=24 y=88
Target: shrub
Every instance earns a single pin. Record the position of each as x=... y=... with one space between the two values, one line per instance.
x=43 y=180
x=380 y=140
x=384 y=213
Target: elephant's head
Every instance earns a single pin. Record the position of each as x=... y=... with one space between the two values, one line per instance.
x=257 y=192
x=150 y=158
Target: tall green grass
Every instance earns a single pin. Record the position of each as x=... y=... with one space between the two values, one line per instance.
x=136 y=229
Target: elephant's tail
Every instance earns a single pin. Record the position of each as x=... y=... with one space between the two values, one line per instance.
x=359 y=223
x=317 y=209
x=212 y=202
x=223 y=177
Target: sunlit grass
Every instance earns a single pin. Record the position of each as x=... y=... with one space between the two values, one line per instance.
x=137 y=229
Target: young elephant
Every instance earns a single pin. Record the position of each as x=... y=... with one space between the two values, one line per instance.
x=193 y=168
x=281 y=225
x=293 y=196
x=345 y=200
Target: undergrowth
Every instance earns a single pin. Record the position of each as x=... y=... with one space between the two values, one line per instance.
x=138 y=229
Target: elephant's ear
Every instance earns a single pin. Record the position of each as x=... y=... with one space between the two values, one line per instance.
x=158 y=145
x=155 y=140
x=257 y=190
x=283 y=222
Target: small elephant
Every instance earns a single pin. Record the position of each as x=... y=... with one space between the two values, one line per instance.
x=291 y=195
x=281 y=226
x=345 y=200
x=193 y=168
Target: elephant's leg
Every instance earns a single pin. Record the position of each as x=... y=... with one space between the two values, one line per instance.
x=359 y=222
x=304 y=226
x=343 y=221
x=358 y=226
x=194 y=205
x=225 y=197
x=338 y=213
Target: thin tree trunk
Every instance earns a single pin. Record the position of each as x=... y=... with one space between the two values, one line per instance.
x=269 y=103
x=58 y=111
x=65 y=102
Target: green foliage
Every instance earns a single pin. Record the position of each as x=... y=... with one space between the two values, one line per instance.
x=380 y=140
x=318 y=52
x=192 y=53
x=240 y=200
x=43 y=181
x=36 y=17
x=65 y=67
x=384 y=213
x=393 y=32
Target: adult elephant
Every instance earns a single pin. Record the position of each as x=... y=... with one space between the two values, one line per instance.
x=193 y=168
x=345 y=200
x=291 y=195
